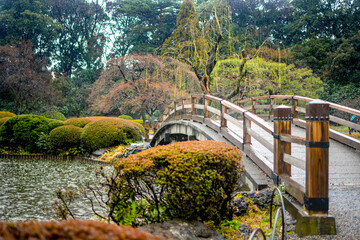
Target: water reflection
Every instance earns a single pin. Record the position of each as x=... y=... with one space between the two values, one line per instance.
x=27 y=186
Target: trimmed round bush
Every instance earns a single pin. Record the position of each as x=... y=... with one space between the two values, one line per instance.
x=65 y=137
x=25 y=130
x=192 y=180
x=71 y=229
x=54 y=115
x=102 y=133
x=6 y=114
x=78 y=122
x=3 y=120
x=127 y=117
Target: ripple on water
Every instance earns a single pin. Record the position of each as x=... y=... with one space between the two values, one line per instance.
x=27 y=186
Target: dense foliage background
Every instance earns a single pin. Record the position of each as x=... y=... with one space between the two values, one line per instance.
x=133 y=57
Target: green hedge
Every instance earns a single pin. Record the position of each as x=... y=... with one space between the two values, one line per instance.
x=192 y=180
x=6 y=114
x=102 y=134
x=127 y=117
x=54 y=115
x=25 y=130
x=65 y=137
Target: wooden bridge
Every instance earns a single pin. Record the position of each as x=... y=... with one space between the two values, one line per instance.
x=306 y=162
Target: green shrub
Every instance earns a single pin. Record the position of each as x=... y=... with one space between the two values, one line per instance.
x=3 y=120
x=127 y=117
x=53 y=123
x=71 y=229
x=139 y=121
x=65 y=137
x=78 y=122
x=102 y=133
x=188 y=180
x=6 y=114
x=25 y=130
x=54 y=115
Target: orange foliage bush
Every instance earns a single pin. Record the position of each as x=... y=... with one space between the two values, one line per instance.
x=191 y=180
x=77 y=122
x=6 y=114
x=4 y=119
x=70 y=230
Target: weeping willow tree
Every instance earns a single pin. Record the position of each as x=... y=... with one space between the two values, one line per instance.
x=188 y=44
x=258 y=77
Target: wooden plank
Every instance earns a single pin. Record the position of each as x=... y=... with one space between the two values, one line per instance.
x=257 y=159
x=187 y=106
x=232 y=137
x=260 y=122
x=344 y=139
x=248 y=108
x=293 y=139
x=233 y=120
x=260 y=139
x=211 y=124
x=233 y=107
x=345 y=122
x=299 y=122
x=214 y=110
x=281 y=96
x=297 y=162
x=262 y=107
x=197 y=118
x=213 y=98
x=300 y=109
x=199 y=106
x=344 y=109
x=294 y=188
x=306 y=99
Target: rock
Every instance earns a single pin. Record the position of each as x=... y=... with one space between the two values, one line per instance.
x=99 y=152
x=240 y=206
x=134 y=148
x=263 y=198
x=245 y=231
x=181 y=230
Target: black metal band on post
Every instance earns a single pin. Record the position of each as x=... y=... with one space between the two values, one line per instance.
x=276 y=179
x=316 y=204
x=278 y=137
x=317 y=144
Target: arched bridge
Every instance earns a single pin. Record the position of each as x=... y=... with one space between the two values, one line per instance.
x=284 y=139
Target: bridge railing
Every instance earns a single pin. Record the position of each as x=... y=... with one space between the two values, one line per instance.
x=222 y=116
x=297 y=103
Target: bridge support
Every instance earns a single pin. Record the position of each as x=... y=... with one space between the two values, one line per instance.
x=317 y=158
x=282 y=126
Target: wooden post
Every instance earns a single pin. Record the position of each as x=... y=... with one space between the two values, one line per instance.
x=224 y=110
x=175 y=112
x=282 y=126
x=206 y=103
x=183 y=106
x=294 y=106
x=193 y=102
x=316 y=197
x=253 y=109
x=246 y=135
x=271 y=108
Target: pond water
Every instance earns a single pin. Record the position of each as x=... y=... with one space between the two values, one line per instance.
x=27 y=187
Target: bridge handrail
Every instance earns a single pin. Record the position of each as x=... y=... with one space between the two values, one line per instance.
x=352 y=142
x=209 y=109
